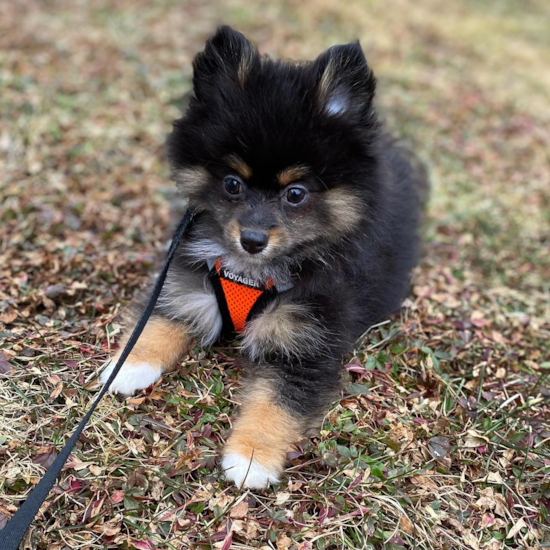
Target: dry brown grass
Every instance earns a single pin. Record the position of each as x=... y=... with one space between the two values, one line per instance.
x=441 y=438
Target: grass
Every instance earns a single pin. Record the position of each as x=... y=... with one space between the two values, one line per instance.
x=442 y=436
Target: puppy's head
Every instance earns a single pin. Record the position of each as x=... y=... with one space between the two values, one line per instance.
x=280 y=156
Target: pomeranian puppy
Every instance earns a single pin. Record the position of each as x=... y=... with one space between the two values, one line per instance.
x=304 y=236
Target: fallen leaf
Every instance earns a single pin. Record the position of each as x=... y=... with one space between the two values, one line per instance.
x=238 y=526
x=221 y=500
x=406 y=525
x=227 y=542
x=487 y=520
x=77 y=285
x=477 y=319
x=136 y=479
x=474 y=439
x=48 y=304
x=117 y=496
x=252 y=530
x=516 y=528
x=471 y=540
x=486 y=500
x=439 y=447
x=5 y=365
x=135 y=400
x=54 y=291
x=28 y=352
x=425 y=483
x=96 y=470
x=76 y=464
x=96 y=507
x=57 y=390
x=501 y=508
x=495 y=477
x=45 y=459
x=157 y=489
x=498 y=338
x=282 y=498
x=188 y=459
x=142 y=545
x=456 y=524
x=8 y=316
x=239 y=511
x=283 y=542
x=108 y=529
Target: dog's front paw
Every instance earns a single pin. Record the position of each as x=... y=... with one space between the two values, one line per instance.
x=248 y=473
x=255 y=454
x=131 y=377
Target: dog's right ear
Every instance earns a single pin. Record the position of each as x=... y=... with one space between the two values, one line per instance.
x=228 y=55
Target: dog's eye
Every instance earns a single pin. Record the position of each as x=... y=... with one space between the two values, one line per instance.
x=296 y=195
x=232 y=186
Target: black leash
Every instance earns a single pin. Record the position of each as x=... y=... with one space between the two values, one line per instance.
x=14 y=531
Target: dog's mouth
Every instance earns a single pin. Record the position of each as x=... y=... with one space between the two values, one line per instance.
x=268 y=263
x=255 y=260
x=272 y=262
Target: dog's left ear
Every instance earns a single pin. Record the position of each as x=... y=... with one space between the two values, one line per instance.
x=345 y=81
x=227 y=56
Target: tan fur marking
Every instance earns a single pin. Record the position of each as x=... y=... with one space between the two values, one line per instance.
x=190 y=179
x=234 y=229
x=277 y=238
x=232 y=232
x=263 y=431
x=238 y=164
x=161 y=342
x=292 y=174
x=345 y=209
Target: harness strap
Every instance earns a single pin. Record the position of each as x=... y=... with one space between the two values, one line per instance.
x=239 y=298
x=14 y=531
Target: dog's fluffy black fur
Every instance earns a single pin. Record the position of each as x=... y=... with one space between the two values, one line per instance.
x=296 y=153
x=276 y=118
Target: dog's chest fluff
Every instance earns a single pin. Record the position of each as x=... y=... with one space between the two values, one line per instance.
x=240 y=298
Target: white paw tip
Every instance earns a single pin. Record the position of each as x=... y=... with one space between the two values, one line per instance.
x=247 y=473
x=131 y=377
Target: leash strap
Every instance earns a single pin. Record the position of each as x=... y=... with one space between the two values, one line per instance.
x=14 y=531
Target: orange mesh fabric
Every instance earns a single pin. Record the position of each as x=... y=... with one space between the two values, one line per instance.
x=239 y=299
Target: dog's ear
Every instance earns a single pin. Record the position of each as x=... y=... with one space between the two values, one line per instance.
x=227 y=56
x=345 y=82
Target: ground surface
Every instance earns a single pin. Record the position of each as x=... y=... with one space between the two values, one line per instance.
x=441 y=438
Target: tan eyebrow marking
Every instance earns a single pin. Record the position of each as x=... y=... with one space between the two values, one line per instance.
x=237 y=163
x=291 y=174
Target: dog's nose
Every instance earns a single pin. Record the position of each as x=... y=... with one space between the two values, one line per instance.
x=254 y=241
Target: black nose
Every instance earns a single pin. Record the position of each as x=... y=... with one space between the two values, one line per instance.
x=253 y=241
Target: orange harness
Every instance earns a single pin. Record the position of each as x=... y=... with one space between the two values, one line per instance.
x=239 y=297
